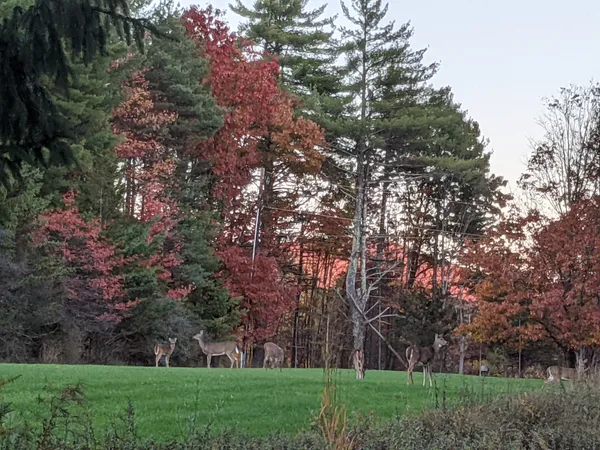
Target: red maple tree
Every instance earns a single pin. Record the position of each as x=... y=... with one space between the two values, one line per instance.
x=246 y=85
x=260 y=129
x=545 y=274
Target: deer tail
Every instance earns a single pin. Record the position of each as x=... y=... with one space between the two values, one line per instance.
x=409 y=352
x=156 y=349
x=237 y=350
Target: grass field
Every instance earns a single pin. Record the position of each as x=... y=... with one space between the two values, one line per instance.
x=251 y=400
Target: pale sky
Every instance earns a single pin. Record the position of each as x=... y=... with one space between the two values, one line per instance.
x=500 y=58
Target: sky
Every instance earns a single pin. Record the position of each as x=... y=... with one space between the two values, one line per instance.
x=500 y=58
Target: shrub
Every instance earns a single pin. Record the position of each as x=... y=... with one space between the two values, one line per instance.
x=554 y=419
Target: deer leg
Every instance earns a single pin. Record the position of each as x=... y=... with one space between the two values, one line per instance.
x=157 y=359
x=167 y=360
x=424 y=374
x=430 y=377
x=208 y=360
x=265 y=364
x=232 y=360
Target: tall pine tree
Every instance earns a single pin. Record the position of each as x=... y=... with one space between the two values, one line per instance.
x=298 y=37
x=399 y=129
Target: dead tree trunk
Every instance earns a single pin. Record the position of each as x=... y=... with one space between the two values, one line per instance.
x=356 y=295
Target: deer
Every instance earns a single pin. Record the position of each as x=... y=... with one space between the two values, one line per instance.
x=273 y=356
x=164 y=349
x=211 y=349
x=558 y=373
x=425 y=356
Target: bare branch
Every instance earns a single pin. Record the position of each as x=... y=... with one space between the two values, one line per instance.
x=376 y=304
x=385 y=317
x=368 y=322
x=381 y=314
x=374 y=284
x=396 y=354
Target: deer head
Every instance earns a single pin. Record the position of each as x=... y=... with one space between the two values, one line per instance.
x=439 y=342
x=199 y=335
x=173 y=340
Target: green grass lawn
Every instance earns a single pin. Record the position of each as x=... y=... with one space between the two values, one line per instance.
x=250 y=400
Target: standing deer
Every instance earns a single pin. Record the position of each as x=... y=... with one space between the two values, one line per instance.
x=558 y=373
x=425 y=356
x=273 y=356
x=211 y=349
x=164 y=349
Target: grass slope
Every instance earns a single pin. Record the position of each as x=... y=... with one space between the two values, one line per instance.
x=251 y=400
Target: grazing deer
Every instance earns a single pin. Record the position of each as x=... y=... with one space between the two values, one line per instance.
x=558 y=373
x=211 y=349
x=425 y=356
x=273 y=356
x=164 y=349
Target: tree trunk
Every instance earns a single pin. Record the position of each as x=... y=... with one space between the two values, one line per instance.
x=462 y=351
x=297 y=310
x=356 y=296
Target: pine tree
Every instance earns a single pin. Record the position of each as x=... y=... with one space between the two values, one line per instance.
x=175 y=75
x=32 y=50
x=91 y=96
x=369 y=47
x=298 y=37
x=402 y=134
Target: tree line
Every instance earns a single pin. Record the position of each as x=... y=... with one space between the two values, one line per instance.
x=296 y=181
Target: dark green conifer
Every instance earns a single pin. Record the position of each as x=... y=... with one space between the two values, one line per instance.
x=32 y=51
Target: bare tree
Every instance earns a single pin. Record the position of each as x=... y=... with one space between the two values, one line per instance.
x=563 y=167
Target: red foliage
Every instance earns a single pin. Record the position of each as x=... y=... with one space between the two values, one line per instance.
x=246 y=86
x=260 y=128
x=548 y=274
x=90 y=259
x=149 y=174
x=266 y=297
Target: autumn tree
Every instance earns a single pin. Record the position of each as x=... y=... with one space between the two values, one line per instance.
x=92 y=283
x=543 y=276
x=260 y=131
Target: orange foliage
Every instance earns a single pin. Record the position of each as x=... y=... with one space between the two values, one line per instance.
x=548 y=275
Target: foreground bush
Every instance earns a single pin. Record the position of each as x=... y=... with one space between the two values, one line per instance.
x=556 y=419
x=551 y=420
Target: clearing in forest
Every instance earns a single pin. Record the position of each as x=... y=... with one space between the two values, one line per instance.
x=251 y=401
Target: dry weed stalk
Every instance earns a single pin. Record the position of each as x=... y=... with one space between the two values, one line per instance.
x=333 y=418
